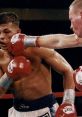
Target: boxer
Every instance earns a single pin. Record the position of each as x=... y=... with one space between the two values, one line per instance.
x=33 y=96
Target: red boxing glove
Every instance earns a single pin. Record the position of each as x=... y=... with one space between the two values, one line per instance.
x=66 y=110
x=78 y=78
x=16 y=45
x=19 y=67
x=20 y=41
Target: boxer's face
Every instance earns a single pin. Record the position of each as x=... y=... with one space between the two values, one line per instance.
x=6 y=32
x=75 y=17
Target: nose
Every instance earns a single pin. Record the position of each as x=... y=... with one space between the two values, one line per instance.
x=2 y=36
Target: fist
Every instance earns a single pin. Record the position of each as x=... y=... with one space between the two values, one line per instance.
x=19 y=67
x=66 y=110
x=78 y=78
x=16 y=45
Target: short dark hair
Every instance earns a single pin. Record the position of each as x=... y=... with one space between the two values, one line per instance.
x=6 y=17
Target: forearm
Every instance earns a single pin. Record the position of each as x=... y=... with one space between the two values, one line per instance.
x=68 y=83
x=58 y=41
x=69 y=88
x=49 y=41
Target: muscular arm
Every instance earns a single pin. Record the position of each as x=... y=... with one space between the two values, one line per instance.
x=58 y=63
x=58 y=41
x=55 y=41
x=62 y=66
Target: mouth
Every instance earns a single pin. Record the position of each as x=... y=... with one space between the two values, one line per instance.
x=3 y=46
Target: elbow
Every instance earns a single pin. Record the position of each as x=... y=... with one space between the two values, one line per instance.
x=68 y=72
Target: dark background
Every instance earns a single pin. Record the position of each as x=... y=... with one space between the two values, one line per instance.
x=40 y=27
x=35 y=4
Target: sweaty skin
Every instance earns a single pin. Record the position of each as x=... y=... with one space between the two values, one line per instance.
x=38 y=83
x=59 y=41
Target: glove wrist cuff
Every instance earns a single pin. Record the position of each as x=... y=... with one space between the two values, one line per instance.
x=31 y=41
x=5 y=81
x=69 y=96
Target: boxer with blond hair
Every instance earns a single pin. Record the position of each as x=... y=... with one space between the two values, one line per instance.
x=30 y=79
x=58 y=41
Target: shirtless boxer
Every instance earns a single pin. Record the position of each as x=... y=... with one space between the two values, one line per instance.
x=32 y=92
x=57 y=41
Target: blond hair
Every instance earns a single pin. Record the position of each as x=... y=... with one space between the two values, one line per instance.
x=76 y=4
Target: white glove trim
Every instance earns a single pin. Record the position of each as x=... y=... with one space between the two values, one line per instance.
x=30 y=41
x=69 y=96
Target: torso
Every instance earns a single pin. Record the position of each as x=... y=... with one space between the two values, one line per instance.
x=35 y=85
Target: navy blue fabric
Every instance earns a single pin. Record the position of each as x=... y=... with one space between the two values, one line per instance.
x=26 y=105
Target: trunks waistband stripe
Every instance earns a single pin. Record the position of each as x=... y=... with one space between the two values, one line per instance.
x=26 y=105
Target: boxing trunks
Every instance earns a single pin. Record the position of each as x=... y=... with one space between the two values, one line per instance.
x=43 y=107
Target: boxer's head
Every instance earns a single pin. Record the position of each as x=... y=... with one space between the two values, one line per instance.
x=75 y=16
x=9 y=25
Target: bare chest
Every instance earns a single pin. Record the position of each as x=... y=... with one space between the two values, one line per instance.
x=36 y=84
